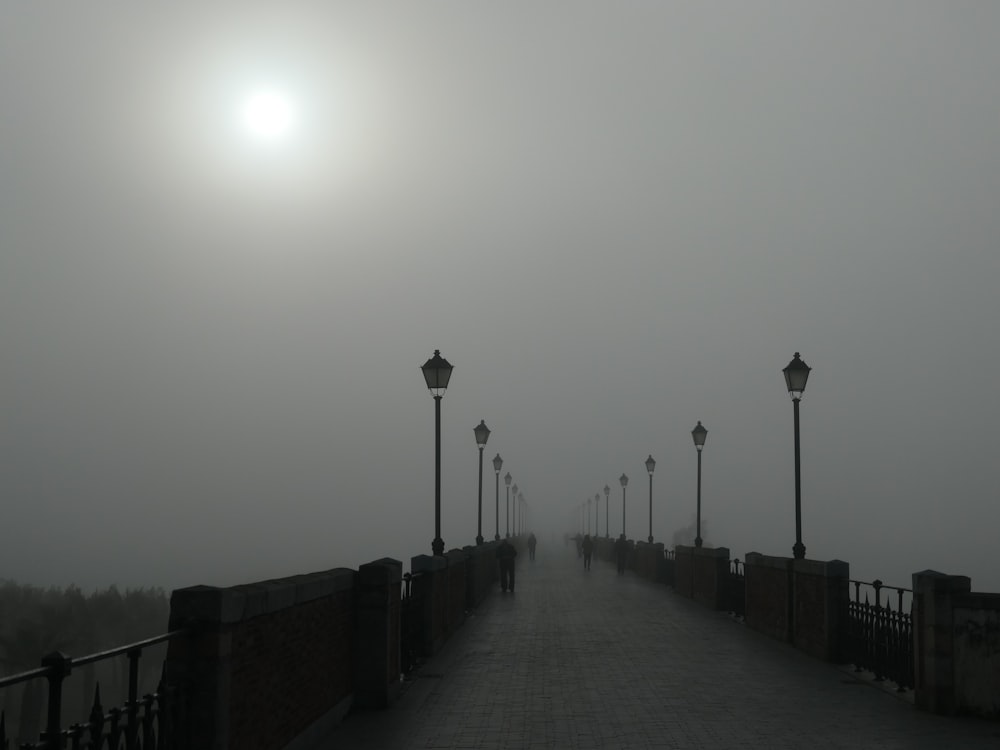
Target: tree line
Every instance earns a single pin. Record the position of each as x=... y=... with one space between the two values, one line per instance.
x=35 y=621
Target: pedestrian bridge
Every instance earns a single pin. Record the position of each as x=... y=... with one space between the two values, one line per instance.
x=591 y=659
x=658 y=656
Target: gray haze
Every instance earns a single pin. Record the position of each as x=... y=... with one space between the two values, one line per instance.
x=614 y=219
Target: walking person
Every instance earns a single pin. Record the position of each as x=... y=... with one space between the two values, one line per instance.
x=621 y=553
x=532 y=541
x=505 y=556
x=588 y=551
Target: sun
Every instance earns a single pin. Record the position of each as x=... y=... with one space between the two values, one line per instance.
x=268 y=114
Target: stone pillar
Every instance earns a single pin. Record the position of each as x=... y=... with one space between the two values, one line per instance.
x=376 y=653
x=659 y=572
x=684 y=570
x=200 y=664
x=769 y=595
x=934 y=639
x=820 y=601
x=711 y=572
x=457 y=573
x=430 y=589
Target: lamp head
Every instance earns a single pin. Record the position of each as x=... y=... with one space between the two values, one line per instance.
x=699 y=433
x=796 y=374
x=482 y=433
x=437 y=373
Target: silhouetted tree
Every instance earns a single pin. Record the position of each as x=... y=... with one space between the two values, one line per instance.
x=686 y=536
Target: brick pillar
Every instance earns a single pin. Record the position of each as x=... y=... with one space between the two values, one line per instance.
x=200 y=665
x=457 y=571
x=684 y=570
x=934 y=639
x=376 y=654
x=711 y=574
x=769 y=595
x=659 y=574
x=820 y=602
x=430 y=588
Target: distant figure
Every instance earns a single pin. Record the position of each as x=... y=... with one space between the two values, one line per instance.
x=579 y=545
x=531 y=545
x=505 y=555
x=621 y=553
x=588 y=550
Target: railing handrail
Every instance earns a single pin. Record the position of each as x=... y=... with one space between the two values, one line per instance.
x=79 y=661
x=878 y=586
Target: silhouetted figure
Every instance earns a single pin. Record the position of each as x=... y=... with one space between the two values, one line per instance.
x=579 y=545
x=531 y=546
x=588 y=550
x=621 y=553
x=505 y=555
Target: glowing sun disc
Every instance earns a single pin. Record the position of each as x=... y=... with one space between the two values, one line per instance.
x=268 y=114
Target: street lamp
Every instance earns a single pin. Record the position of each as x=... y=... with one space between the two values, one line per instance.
x=607 y=530
x=437 y=373
x=506 y=480
x=519 y=521
x=624 y=480
x=497 y=465
x=699 y=433
x=514 y=490
x=482 y=435
x=597 y=515
x=796 y=375
x=588 y=515
x=650 y=465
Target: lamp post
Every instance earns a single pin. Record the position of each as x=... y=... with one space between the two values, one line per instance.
x=607 y=503
x=588 y=515
x=514 y=490
x=497 y=465
x=506 y=480
x=482 y=435
x=597 y=515
x=624 y=480
x=650 y=465
x=437 y=373
x=699 y=434
x=796 y=375
x=519 y=523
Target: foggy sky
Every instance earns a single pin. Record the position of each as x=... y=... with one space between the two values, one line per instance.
x=613 y=219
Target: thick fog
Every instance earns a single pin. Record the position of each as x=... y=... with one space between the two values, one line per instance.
x=613 y=219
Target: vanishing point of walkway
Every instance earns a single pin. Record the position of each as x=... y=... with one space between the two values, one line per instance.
x=588 y=659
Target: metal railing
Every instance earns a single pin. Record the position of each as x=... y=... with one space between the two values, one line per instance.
x=153 y=722
x=879 y=635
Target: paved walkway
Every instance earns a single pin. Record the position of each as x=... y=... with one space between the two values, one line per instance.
x=588 y=659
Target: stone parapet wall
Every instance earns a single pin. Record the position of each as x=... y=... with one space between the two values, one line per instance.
x=820 y=597
x=702 y=574
x=649 y=560
x=769 y=595
x=956 y=645
x=267 y=661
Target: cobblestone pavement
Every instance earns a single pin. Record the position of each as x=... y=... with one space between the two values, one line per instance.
x=588 y=659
